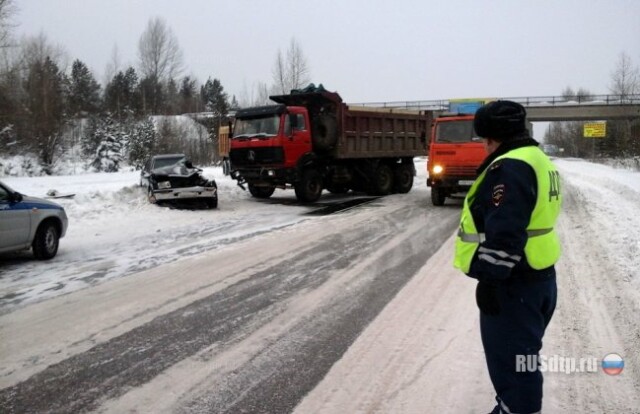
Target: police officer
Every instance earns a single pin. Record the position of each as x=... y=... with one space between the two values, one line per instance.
x=507 y=241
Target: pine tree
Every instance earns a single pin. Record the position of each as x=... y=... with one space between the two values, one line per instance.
x=84 y=91
x=45 y=88
x=171 y=102
x=215 y=100
x=187 y=95
x=143 y=142
x=110 y=140
x=122 y=95
x=152 y=95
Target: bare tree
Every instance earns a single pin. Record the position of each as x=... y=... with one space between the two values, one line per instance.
x=625 y=79
x=113 y=66
x=7 y=10
x=159 y=52
x=290 y=71
x=257 y=95
x=36 y=49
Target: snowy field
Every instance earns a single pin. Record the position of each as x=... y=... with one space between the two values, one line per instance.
x=420 y=354
x=114 y=231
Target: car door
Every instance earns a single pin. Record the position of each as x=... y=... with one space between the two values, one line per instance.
x=15 y=221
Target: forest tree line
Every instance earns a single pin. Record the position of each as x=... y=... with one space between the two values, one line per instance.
x=51 y=109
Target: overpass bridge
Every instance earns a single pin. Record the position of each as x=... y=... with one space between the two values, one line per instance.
x=546 y=108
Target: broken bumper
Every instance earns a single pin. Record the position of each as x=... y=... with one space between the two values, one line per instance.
x=185 y=193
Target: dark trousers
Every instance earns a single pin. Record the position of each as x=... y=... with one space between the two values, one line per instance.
x=527 y=306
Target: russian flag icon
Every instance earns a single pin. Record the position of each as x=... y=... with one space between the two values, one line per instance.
x=612 y=364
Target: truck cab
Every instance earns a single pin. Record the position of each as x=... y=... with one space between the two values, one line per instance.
x=455 y=152
x=267 y=144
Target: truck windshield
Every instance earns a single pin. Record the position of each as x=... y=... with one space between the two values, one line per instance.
x=455 y=131
x=252 y=127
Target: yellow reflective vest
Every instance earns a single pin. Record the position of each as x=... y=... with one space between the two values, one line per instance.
x=543 y=246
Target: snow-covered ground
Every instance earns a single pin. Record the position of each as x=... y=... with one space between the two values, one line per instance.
x=421 y=353
x=114 y=231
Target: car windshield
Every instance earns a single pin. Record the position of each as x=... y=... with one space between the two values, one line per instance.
x=7 y=188
x=266 y=126
x=455 y=131
x=165 y=162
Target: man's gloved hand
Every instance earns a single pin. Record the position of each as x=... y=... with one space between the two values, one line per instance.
x=487 y=298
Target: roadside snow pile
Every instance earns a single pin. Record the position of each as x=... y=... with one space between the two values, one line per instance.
x=21 y=166
x=611 y=198
x=626 y=163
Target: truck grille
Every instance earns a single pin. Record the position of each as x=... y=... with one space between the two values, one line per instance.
x=460 y=170
x=256 y=156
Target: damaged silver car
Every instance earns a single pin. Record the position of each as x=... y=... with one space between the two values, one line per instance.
x=173 y=178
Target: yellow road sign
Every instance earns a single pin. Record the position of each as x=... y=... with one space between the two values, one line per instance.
x=595 y=129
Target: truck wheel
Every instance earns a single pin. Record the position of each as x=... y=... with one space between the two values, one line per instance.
x=309 y=188
x=45 y=244
x=383 y=180
x=325 y=132
x=261 y=192
x=437 y=196
x=403 y=180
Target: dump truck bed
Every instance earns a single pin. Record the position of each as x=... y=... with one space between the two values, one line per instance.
x=367 y=132
x=383 y=132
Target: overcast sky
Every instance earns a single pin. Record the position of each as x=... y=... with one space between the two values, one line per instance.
x=367 y=50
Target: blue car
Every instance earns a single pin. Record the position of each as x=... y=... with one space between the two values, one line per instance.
x=30 y=222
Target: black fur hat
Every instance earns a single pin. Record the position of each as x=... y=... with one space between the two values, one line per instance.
x=500 y=120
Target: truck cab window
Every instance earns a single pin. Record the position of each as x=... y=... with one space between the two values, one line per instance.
x=300 y=126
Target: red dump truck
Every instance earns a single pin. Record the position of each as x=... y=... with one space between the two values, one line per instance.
x=312 y=141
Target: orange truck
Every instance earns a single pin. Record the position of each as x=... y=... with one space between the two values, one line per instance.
x=455 y=152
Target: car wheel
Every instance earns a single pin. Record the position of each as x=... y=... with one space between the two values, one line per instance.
x=45 y=244
x=212 y=202
x=151 y=196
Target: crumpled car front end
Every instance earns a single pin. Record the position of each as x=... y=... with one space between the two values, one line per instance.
x=180 y=183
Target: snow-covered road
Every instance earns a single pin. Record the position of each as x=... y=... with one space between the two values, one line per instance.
x=259 y=307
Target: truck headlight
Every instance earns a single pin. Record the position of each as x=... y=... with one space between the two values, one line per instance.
x=164 y=184
x=437 y=169
x=271 y=173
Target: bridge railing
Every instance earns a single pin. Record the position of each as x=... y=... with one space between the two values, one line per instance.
x=538 y=101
